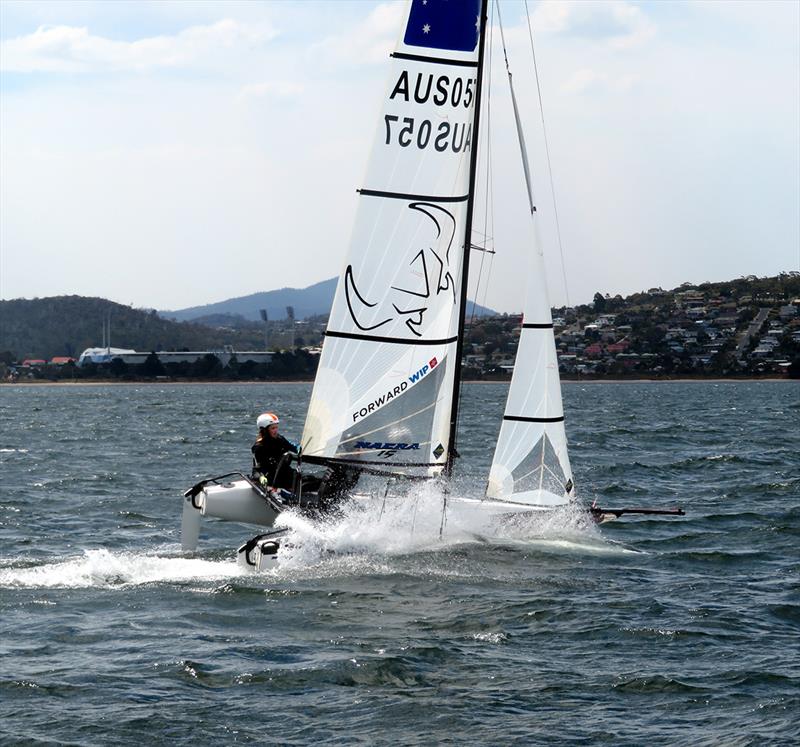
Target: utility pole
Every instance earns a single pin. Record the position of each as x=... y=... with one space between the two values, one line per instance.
x=290 y=317
x=265 y=319
x=107 y=333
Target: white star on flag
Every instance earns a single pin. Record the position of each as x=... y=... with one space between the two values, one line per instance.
x=426 y=28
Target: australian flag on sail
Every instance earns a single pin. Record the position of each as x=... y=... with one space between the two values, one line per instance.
x=444 y=24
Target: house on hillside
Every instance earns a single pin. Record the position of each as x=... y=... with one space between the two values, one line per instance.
x=629 y=360
x=619 y=347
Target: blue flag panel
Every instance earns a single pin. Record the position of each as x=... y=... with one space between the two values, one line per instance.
x=444 y=24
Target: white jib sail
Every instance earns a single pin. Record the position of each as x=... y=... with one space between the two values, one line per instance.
x=384 y=387
x=531 y=464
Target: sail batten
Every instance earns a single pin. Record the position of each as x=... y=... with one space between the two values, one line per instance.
x=405 y=196
x=398 y=340
x=433 y=60
x=529 y=419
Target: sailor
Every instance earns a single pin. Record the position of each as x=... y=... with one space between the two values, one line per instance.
x=274 y=471
x=268 y=452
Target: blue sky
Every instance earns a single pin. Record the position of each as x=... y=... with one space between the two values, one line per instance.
x=168 y=154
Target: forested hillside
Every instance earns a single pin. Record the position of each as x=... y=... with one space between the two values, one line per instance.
x=67 y=325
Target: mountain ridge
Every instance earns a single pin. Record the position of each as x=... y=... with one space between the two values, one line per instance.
x=314 y=300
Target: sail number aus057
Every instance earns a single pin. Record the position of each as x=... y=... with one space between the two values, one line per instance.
x=441 y=91
x=456 y=136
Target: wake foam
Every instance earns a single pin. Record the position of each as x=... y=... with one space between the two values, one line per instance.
x=106 y=570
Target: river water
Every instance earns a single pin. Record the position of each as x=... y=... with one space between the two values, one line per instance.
x=373 y=631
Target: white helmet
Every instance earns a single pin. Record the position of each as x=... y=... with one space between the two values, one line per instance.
x=265 y=420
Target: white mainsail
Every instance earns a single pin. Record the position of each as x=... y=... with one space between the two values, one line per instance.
x=383 y=393
x=531 y=464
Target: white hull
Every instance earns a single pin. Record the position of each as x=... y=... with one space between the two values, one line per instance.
x=261 y=552
x=230 y=501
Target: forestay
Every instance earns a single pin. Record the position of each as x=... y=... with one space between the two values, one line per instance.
x=531 y=464
x=384 y=388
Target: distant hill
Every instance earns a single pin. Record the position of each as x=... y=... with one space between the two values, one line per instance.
x=67 y=325
x=690 y=330
x=316 y=300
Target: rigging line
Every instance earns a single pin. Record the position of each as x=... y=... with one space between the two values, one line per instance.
x=464 y=279
x=488 y=215
x=489 y=210
x=458 y=391
x=517 y=119
x=547 y=152
x=488 y=97
x=490 y=178
x=488 y=283
x=488 y=240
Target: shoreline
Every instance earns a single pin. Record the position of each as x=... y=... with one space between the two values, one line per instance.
x=215 y=382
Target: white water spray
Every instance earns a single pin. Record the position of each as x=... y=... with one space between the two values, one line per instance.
x=363 y=536
x=411 y=522
x=103 y=569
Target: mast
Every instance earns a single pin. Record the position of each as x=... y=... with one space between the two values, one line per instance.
x=451 y=451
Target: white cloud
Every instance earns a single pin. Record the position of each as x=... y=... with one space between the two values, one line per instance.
x=72 y=49
x=583 y=79
x=277 y=88
x=616 y=23
x=248 y=175
x=369 y=41
x=586 y=79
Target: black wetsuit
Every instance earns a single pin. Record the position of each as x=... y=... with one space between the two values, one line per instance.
x=267 y=454
x=330 y=489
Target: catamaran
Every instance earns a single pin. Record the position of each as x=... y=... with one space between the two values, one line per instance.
x=385 y=400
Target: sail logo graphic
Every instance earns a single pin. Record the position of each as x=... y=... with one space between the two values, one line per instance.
x=429 y=366
x=385 y=447
x=425 y=281
x=386 y=451
x=379 y=402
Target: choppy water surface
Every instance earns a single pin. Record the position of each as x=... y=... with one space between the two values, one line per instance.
x=670 y=631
